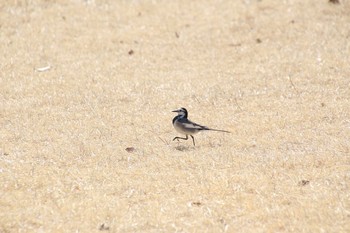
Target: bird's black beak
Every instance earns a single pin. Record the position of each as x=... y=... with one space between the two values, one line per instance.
x=176 y=111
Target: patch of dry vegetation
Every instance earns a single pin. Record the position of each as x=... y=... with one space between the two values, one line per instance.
x=274 y=73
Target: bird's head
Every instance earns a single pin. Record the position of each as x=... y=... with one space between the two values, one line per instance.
x=181 y=112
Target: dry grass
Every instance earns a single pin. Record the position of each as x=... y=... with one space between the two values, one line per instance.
x=275 y=73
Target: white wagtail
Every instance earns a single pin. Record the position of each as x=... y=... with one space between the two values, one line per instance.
x=187 y=127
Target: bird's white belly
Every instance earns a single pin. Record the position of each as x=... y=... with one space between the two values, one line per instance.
x=184 y=130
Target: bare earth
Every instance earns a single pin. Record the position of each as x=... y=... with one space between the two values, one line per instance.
x=82 y=81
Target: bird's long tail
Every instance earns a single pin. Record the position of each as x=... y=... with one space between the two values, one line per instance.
x=219 y=130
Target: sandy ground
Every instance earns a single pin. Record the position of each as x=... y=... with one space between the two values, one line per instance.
x=81 y=81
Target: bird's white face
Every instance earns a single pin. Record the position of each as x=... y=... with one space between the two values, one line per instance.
x=181 y=112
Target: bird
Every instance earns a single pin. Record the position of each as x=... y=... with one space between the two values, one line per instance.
x=187 y=127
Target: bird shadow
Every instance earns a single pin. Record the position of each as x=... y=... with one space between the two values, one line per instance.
x=183 y=148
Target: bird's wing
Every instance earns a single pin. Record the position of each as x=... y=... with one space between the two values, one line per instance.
x=191 y=125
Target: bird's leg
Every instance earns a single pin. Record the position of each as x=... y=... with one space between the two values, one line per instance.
x=181 y=138
x=192 y=140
